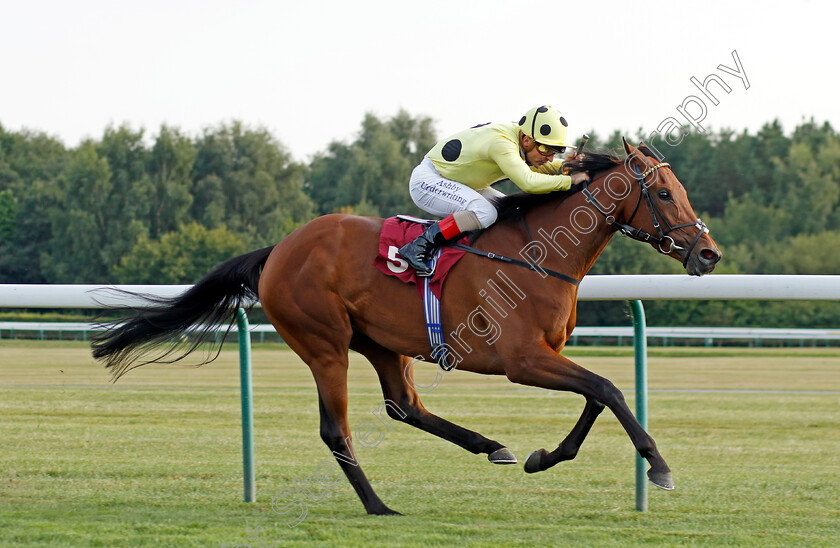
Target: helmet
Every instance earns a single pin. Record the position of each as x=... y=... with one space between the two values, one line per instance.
x=545 y=125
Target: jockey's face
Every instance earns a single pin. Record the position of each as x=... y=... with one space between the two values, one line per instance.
x=532 y=152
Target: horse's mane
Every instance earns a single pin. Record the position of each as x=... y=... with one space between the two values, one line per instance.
x=514 y=206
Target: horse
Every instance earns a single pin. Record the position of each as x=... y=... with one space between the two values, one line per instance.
x=319 y=289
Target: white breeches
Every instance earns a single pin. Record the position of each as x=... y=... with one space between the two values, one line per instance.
x=440 y=196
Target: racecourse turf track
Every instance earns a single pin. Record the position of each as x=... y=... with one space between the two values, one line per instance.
x=752 y=436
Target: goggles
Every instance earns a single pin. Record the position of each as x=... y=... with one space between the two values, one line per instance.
x=546 y=150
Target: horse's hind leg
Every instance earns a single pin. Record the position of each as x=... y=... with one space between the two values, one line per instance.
x=403 y=403
x=335 y=431
x=322 y=338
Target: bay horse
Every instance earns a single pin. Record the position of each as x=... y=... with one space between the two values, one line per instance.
x=321 y=292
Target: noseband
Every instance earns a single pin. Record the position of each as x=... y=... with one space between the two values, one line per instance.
x=665 y=243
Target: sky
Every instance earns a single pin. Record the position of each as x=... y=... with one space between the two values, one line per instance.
x=308 y=72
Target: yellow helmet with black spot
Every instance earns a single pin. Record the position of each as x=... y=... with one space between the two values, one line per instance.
x=545 y=125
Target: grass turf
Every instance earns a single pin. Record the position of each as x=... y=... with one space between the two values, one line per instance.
x=155 y=460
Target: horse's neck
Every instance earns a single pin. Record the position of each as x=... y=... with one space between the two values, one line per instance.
x=574 y=233
x=576 y=230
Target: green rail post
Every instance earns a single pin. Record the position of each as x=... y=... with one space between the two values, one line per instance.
x=640 y=350
x=247 y=405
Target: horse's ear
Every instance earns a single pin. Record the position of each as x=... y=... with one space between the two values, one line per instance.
x=646 y=150
x=633 y=154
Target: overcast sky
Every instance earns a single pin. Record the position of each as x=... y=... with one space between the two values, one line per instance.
x=309 y=71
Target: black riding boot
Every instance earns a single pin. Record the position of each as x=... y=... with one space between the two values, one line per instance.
x=418 y=252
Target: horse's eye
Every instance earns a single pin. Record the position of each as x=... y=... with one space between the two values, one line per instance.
x=664 y=195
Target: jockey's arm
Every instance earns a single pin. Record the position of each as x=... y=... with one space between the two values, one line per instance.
x=556 y=168
x=537 y=182
x=551 y=168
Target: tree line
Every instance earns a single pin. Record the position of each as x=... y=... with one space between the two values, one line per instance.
x=132 y=208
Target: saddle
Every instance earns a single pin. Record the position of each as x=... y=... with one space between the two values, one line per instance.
x=396 y=232
x=399 y=230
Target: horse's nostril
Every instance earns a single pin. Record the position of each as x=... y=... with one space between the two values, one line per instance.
x=710 y=255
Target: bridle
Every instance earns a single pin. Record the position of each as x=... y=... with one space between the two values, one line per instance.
x=662 y=241
x=625 y=228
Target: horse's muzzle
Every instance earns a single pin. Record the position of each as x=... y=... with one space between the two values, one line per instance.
x=702 y=261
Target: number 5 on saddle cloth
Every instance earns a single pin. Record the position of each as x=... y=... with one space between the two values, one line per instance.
x=396 y=231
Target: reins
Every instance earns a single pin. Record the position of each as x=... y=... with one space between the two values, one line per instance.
x=517 y=262
x=661 y=241
x=637 y=233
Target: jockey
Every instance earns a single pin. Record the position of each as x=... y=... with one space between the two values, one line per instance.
x=454 y=179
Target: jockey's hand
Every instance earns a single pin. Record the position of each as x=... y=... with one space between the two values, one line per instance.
x=579 y=157
x=580 y=177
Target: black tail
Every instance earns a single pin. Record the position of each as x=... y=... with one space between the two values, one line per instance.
x=144 y=338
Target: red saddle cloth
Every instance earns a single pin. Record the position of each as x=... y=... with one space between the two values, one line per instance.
x=396 y=233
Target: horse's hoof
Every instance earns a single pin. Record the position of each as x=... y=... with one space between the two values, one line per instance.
x=534 y=461
x=502 y=456
x=384 y=511
x=663 y=480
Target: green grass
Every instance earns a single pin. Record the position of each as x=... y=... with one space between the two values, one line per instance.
x=155 y=460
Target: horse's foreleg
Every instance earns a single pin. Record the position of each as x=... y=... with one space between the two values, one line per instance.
x=406 y=406
x=541 y=459
x=548 y=369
